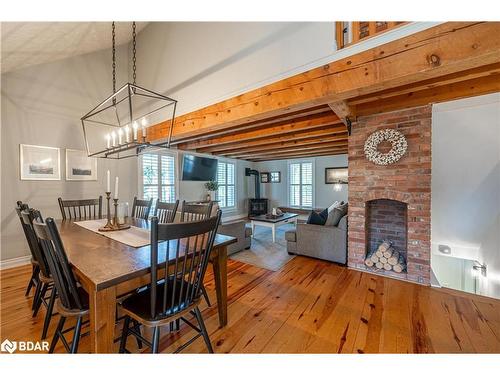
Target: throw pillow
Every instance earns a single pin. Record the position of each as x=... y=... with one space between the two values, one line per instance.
x=334 y=205
x=317 y=218
x=337 y=214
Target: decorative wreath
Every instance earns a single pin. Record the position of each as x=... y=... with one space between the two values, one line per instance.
x=395 y=138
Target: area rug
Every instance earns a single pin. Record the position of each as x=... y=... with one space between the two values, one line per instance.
x=264 y=253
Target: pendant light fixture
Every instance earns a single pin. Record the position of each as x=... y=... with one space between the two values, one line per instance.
x=117 y=128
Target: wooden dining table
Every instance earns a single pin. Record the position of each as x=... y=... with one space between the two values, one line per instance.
x=107 y=269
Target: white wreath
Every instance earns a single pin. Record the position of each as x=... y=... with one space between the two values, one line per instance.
x=395 y=138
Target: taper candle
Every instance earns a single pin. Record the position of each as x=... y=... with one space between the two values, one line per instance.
x=144 y=131
x=113 y=137
x=108 y=141
x=116 y=188
x=120 y=136
x=108 y=180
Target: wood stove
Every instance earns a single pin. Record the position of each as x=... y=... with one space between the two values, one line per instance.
x=257 y=205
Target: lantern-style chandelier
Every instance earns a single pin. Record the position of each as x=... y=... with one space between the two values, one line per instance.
x=117 y=128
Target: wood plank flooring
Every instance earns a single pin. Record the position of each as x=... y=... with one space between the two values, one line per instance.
x=309 y=306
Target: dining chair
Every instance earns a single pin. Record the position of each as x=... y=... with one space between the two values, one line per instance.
x=79 y=209
x=196 y=212
x=34 y=279
x=46 y=283
x=141 y=208
x=165 y=212
x=177 y=293
x=73 y=301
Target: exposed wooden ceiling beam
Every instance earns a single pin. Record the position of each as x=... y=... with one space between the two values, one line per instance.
x=474 y=87
x=298 y=155
x=329 y=148
x=428 y=84
x=306 y=134
x=310 y=123
x=445 y=49
x=322 y=109
x=307 y=143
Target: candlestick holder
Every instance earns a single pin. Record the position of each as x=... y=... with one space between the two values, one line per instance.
x=112 y=223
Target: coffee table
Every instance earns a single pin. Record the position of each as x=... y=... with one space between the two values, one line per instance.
x=263 y=221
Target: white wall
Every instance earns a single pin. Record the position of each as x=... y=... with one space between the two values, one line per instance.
x=324 y=195
x=466 y=183
x=42 y=105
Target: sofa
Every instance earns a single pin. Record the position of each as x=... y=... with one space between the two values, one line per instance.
x=239 y=230
x=319 y=241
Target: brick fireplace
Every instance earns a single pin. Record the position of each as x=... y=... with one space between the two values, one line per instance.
x=392 y=202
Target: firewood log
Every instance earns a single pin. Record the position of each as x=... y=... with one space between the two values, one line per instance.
x=394 y=259
x=401 y=266
x=388 y=253
x=382 y=248
x=387 y=267
x=369 y=262
x=382 y=260
x=379 y=265
x=374 y=258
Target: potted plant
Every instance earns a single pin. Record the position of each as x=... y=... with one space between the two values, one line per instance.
x=211 y=186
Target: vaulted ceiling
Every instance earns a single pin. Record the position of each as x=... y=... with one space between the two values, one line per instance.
x=31 y=43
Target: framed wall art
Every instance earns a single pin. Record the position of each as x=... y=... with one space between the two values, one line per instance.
x=336 y=175
x=79 y=167
x=39 y=163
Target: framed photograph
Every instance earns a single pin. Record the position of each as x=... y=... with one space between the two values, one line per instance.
x=264 y=177
x=39 y=162
x=79 y=167
x=275 y=177
x=336 y=175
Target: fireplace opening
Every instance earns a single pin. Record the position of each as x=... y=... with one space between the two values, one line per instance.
x=386 y=235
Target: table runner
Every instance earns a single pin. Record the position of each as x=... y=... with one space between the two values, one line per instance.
x=134 y=236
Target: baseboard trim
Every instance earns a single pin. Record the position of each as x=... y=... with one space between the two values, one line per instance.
x=15 y=262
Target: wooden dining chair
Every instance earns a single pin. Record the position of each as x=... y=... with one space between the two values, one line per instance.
x=141 y=208
x=195 y=211
x=46 y=283
x=177 y=294
x=165 y=212
x=34 y=279
x=73 y=301
x=81 y=209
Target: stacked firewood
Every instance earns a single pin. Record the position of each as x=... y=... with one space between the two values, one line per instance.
x=386 y=257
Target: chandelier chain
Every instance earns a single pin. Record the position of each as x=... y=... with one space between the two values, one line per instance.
x=134 y=68
x=114 y=55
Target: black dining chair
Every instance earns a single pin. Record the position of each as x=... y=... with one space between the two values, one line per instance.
x=73 y=301
x=34 y=279
x=81 y=209
x=46 y=283
x=141 y=208
x=195 y=212
x=177 y=294
x=165 y=212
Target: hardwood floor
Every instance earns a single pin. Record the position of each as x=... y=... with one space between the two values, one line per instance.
x=309 y=306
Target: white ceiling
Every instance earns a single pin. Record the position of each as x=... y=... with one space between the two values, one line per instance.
x=31 y=43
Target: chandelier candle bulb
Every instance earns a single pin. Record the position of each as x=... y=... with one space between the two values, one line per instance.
x=134 y=128
x=108 y=141
x=113 y=137
x=108 y=181
x=143 y=131
x=120 y=136
x=116 y=188
x=127 y=134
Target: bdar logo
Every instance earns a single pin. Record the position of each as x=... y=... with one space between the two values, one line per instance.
x=8 y=346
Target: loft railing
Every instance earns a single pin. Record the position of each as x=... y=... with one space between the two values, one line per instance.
x=348 y=33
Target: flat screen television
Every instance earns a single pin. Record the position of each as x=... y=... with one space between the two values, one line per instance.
x=197 y=168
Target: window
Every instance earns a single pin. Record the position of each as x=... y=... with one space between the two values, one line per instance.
x=225 y=178
x=301 y=184
x=158 y=177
